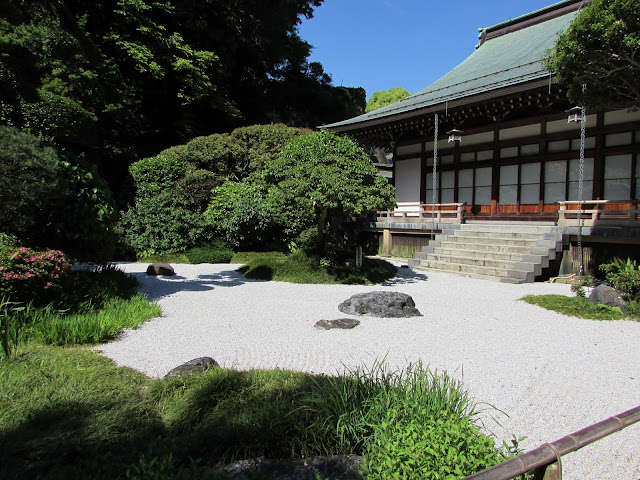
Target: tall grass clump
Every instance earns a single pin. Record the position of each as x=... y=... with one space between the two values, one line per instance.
x=415 y=423
x=89 y=307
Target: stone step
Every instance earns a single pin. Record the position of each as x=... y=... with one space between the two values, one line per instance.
x=498 y=234
x=535 y=229
x=479 y=261
x=485 y=247
x=472 y=253
x=493 y=240
x=464 y=268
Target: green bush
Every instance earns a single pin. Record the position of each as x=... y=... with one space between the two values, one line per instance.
x=162 y=224
x=195 y=189
x=217 y=252
x=217 y=153
x=157 y=174
x=624 y=276
x=261 y=144
x=31 y=189
x=49 y=200
x=244 y=215
x=410 y=443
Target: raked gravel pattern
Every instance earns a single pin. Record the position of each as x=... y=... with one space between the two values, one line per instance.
x=546 y=374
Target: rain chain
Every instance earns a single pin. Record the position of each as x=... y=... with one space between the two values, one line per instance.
x=433 y=182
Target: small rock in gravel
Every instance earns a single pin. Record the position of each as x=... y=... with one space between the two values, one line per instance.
x=196 y=365
x=341 y=323
x=160 y=269
x=380 y=304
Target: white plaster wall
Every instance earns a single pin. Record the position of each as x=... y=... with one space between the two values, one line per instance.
x=408 y=180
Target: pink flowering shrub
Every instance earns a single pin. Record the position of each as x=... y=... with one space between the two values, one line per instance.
x=27 y=275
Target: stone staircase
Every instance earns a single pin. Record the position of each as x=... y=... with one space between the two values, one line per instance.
x=511 y=253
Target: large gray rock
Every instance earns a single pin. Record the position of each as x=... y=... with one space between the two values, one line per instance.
x=160 y=269
x=380 y=304
x=341 y=323
x=606 y=295
x=196 y=365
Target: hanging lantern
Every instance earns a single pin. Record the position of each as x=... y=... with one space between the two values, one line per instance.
x=575 y=114
x=455 y=135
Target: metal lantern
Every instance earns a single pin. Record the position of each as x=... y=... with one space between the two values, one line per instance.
x=455 y=135
x=575 y=114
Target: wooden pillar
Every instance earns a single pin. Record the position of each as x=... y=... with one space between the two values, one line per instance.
x=387 y=241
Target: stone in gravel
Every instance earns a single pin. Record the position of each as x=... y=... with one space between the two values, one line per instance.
x=196 y=365
x=380 y=304
x=341 y=323
x=160 y=269
x=606 y=295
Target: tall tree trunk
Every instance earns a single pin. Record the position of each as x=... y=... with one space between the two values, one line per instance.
x=321 y=225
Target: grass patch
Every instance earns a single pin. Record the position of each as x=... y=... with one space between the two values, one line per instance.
x=95 y=326
x=298 y=267
x=583 y=308
x=69 y=413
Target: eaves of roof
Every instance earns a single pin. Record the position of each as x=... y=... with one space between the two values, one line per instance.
x=509 y=56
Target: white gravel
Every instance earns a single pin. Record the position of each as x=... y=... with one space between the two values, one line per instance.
x=550 y=374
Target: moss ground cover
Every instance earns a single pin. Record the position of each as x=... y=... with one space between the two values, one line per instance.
x=298 y=267
x=582 y=307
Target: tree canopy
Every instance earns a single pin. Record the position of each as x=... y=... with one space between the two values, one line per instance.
x=383 y=98
x=600 y=50
x=120 y=80
x=332 y=176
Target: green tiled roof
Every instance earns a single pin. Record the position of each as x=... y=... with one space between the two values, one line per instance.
x=504 y=60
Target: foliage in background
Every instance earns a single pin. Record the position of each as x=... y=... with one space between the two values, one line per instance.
x=624 y=277
x=332 y=177
x=599 y=50
x=122 y=80
x=383 y=98
x=53 y=201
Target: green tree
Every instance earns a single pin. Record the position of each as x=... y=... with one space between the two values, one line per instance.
x=383 y=98
x=600 y=51
x=50 y=200
x=332 y=176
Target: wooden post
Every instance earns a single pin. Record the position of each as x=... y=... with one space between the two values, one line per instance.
x=549 y=472
x=386 y=241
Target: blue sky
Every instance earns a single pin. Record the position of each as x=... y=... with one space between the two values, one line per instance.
x=381 y=44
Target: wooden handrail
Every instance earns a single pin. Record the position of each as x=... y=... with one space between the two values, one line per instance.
x=545 y=455
x=448 y=212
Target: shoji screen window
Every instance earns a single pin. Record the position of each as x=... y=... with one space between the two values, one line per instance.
x=617 y=177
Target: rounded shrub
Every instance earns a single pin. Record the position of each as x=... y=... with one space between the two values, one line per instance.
x=216 y=252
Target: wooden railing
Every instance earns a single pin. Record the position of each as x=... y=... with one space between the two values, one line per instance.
x=596 y=211
x=546 y=462
x=408 y=212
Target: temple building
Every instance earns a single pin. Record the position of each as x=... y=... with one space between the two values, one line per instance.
x=508 y=159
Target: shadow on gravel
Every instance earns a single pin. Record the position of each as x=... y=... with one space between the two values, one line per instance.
x=157 y=287
x=406 y=276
